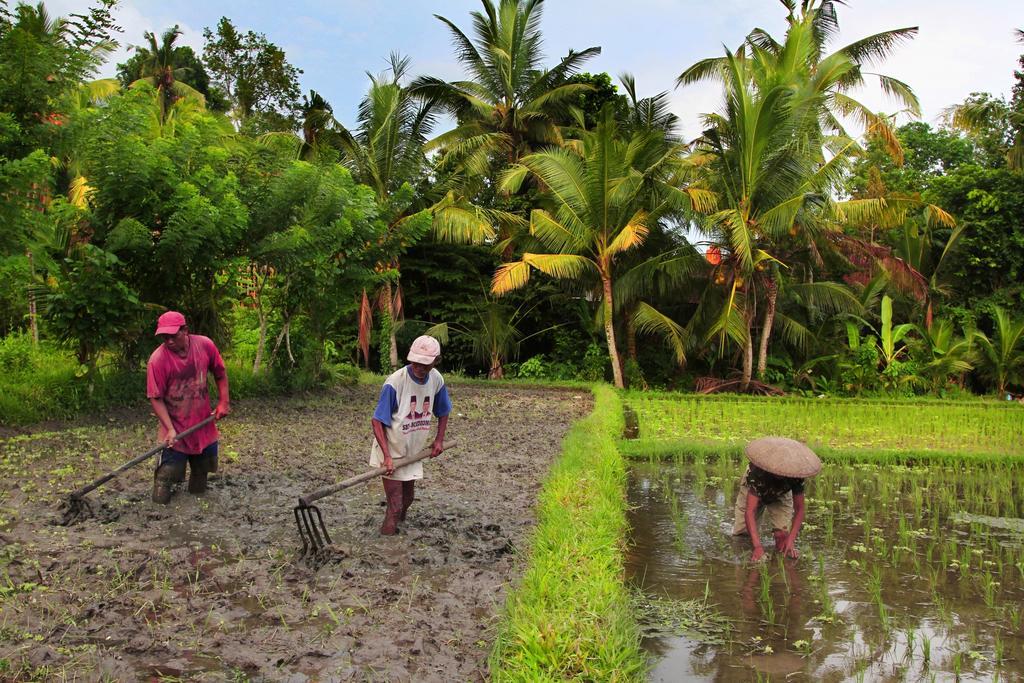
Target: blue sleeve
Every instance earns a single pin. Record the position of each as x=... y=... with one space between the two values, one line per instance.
x=442 y=404
x=386 y=405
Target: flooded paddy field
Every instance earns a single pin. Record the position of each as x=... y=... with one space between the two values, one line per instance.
x=210 y=588
x=906 y=573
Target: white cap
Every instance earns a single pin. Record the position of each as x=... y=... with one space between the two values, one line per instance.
x=424 y=350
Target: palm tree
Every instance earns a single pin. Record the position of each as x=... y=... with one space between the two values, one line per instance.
x=946 y=355
x=385 y=152
x=319 y=126
x=386 y=149
x=600 y=192
x=496 y=337
x=45 y=57
x=160 y=71
x=820 y=82
x=511 y=104
x=777 y=150
x=978 y=114
x=764 y=177
x=1001 y=358
x=660 y=268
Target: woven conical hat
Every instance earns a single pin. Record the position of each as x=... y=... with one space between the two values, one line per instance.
x=783 y=457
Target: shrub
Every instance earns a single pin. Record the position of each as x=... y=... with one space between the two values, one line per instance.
x=18 y=353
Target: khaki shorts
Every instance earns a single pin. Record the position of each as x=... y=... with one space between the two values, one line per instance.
x=780 y=513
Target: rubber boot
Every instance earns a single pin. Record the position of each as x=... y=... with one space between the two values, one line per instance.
x=198 y=467
x=408 y=494
x=164 y=479
x=393 y=492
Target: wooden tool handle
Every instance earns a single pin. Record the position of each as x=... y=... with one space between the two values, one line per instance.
x=135 y=461
x=304 y=501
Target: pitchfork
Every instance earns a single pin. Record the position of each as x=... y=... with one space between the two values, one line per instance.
x=310 y=522
x=76 y=506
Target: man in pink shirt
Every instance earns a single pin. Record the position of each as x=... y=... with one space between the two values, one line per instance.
x=176 y=384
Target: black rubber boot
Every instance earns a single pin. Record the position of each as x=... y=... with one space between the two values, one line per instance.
x=198 y=467
x=164 y=479
x=408 y=495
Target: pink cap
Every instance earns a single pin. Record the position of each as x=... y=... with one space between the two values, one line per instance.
x=424 y=350
x=169 y=323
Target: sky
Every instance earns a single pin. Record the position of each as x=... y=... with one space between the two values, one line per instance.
x=960 y=48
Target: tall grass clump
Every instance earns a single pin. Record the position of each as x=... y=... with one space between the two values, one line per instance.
x=44 y=382
x=569 y=618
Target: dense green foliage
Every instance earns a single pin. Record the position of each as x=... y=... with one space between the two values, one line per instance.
x=777 y=248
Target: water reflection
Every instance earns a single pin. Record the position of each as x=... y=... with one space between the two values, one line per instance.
x=876 y=595
x=632 y=428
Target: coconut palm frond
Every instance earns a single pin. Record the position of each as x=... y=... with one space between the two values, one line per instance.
x=461 y=224
x=710 y=69
x=555 y=235
x=830 y=297
x=794 y=333
x=632 y=235
x=901 y=92
x=440 y=332
x=879 y=46
x=509 y=277
x=648 y=320
x=561 y=266
x=935 y=216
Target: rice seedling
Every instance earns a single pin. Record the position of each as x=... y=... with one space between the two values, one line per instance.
x=884 y=427
x=764 y=599
x=1014 y=613
x=989 y=588
x=964 y=563
x=679 y=520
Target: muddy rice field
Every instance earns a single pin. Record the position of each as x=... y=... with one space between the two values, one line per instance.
x=211 y=588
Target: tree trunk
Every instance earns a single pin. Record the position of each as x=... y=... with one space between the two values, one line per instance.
x=497 y=370
x=772 y=288
x=609 y=332
x=389 y=311
x=264 y=317
x=33 y=323
x=630 y=335
x=748 y=355
x=288 y=341
x=280 y=338
x=262 y=342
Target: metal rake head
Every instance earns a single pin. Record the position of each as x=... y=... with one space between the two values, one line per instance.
x=311 y=526
x=73 y=510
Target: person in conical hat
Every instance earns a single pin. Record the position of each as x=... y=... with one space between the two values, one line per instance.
x=774 y=481
x=400 y=430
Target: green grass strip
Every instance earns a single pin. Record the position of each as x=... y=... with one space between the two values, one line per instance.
x=569 y=618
